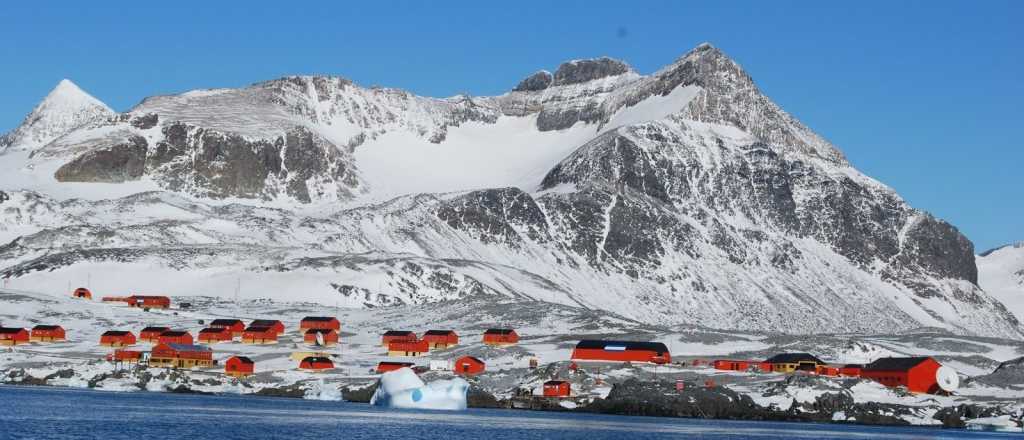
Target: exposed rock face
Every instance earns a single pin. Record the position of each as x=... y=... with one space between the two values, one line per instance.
x=118 y=163
x=580 y=71
x=538 y=81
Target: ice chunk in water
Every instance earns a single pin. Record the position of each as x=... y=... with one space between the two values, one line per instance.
x=402 y=388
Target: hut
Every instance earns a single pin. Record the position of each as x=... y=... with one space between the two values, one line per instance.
x=468 y=366
x=320 y=322
x=441 y=339
x=917 y=374
x=214 y=335
x=149 y=301
x=501 y=336
x=384 y=367
x=125 y=356
x=259 y=335
x=273 y=324
x=236 y=326
x=327 y=337
x=82 y=293
x=402 y=348
x=790 y=362
x=851 y=370
x=14 y=336
x=180 y=356
x=152 y=334
x=180 y=337
x=827 y=370
x=732 y=365
x=117 y=338
x=557 y=388
x=397 y=336
x=621 y=351
x=48 y=333
x=316 y=363
x=239 y=366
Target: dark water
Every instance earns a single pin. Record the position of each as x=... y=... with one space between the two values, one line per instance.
x=57 y=413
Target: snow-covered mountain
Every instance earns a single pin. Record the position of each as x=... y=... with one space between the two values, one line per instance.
x=683 y=197
x=1001 y=274
x=66 y=108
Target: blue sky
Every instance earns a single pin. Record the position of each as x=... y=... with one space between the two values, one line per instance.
x=925 y=96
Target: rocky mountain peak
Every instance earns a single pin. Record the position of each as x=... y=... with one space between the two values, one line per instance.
x=581 y=71
x=65 y=108
x=539 y=80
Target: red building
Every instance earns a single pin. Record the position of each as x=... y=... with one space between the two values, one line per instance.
x=827 y=370
x=236 y=326
x=126 y=356
x=14 y=336
x=48 y=333
x=441 y=339
x=117 y=338
x=149 y=301
x=917 y=374
x=152 y=334
x=273 y=324
x=316 y=363
x=733 y=365
x=82 y=293
x=764 y=367
x=329 y=336
x=175 y=337
x=557 y=388
x=180 y=356
x=468 y=366
x=404 y=348
x=850 y=370
x=259 y=335
x=320 y=322
x=213 y=335
x=239 y=366
x=621 y=351
x=501 y=336
x=384 y=367
x=397 y=336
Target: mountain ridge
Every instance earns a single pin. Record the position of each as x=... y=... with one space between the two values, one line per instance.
x=682 y=197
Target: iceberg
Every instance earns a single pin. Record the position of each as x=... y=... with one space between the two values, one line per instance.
x=402 y=388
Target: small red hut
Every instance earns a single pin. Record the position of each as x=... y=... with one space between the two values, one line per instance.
x=14 y=336
x=621 y=351
x=917 y=374
x=149 y=301
x=48 y=333
x=468 y=366
x=125 y=356
x=175 y=337
x=557 y=388
x=316 y=363
x=236 y=326
x=117 y=338
x=259 y=335
x=384 y=367
x=152 y=334
x=239 y=366
x=732 y=365
x=320 y=322
x=441 y=339
x=850 y=370
x=501 y=336
x=273 y=324
x=82 y=293
x=403 y=348
x=397 y=336
x=329 y=337
x=213 y=335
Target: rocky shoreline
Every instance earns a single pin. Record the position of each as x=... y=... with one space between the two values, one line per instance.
x=631 y=397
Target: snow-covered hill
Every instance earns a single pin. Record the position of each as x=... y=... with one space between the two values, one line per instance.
x=681 y=197
x=1001 y=274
